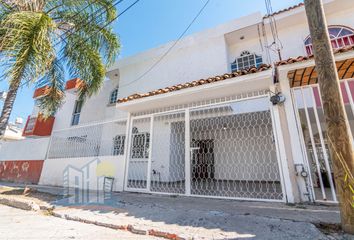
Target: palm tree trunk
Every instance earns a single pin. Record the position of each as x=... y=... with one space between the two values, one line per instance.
x=8 y=105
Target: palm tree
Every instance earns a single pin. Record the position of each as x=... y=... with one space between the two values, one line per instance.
x=53 y=39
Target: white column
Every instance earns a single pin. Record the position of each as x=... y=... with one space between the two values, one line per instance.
x=127 y=151
x=284 y=169
x=298 y=154
x=187 y=154
x=148 y=184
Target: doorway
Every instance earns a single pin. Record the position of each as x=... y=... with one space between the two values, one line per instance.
x=203 y=160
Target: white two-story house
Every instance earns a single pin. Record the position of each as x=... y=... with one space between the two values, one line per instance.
x=199 y=121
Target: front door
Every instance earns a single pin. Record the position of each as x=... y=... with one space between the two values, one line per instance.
x=203 y=159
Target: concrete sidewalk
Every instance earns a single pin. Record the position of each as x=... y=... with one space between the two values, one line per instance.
x=197 y=218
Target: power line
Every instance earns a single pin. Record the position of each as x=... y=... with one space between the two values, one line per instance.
x=170 y=49
x=274 y=29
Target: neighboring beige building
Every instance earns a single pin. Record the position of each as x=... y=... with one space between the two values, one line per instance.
x=13 y=133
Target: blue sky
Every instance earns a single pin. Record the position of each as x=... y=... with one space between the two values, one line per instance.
x=151 y=23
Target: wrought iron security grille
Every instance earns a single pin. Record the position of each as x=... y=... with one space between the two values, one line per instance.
x=225 y=150
x=311 y=122
x=99 y=139
x=139 y=154
x=168 y=154
x=234 y=153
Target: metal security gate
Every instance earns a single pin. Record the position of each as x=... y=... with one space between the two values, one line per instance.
x=311 y=121
x=223 y=150
x=139 y=161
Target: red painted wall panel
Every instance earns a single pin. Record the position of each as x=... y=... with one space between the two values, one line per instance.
x=21 y=171
x=42 y=127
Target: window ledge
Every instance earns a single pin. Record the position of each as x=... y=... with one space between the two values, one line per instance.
x=111 y=104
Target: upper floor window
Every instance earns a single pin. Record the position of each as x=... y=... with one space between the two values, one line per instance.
x=77 y=111
x=114 y=96
x=246 y=61
x=340 y=37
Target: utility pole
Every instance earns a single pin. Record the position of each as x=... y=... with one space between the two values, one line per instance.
x=338 y=133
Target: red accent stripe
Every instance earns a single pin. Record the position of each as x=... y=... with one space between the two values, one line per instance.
x=21 y=171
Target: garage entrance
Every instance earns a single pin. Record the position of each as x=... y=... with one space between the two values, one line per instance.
x=224 y=150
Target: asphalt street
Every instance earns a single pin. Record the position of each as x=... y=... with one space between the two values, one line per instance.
x=19 y=224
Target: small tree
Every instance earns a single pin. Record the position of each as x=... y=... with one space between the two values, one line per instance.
x=53 y=39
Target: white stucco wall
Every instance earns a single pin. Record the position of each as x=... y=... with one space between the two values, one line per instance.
x=54 y=170
x=27 y=149
x=94 y=109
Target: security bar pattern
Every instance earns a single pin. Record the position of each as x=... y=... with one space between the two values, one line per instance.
x=168 y=154
x=233 y=152
x=101 y=139
x=311 y=121
x=139 y=154
x=223 y=150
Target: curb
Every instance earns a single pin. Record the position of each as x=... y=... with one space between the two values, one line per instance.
x=130 y=228
x=24 y=204
x=32 y=206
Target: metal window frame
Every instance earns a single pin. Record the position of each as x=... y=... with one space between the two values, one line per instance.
x=246 y=64
x=113 y=96
x=76 y=114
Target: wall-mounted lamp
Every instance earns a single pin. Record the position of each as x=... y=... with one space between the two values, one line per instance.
x=277 y=98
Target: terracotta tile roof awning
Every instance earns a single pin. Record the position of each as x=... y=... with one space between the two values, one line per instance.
x=305 y=58
x=196 y=83
x=308 y=75
x=285 y=10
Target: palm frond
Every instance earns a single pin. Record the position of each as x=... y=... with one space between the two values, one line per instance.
x=26 y=42
x=86 y=63
x=50 y=37
x=53 y=98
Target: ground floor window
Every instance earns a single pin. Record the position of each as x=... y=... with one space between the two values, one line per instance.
x=118 y=145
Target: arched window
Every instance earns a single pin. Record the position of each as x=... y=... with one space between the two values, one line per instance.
x=114 y=96
x=340 y=37
x=246 y=61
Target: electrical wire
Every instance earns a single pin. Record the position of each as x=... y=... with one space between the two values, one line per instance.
x=169 y=49
x=274 y=29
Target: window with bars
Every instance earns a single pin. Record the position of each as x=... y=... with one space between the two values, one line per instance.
x=76 y=114
x=118 y=145
x=340 y=37
x=114 y=96
x=246 y=61
x=140 y=145
x=30 y=125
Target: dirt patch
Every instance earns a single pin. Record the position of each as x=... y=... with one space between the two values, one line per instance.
x=29 y=194
x=333 y=231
